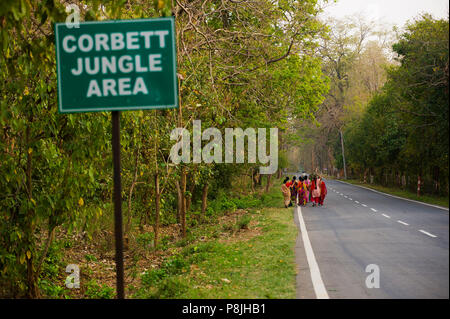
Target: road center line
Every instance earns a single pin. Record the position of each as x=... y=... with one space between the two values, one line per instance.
x=356 y=202
x=373 y=209
x=319 y=287
x=364 y=205
x=427 y=233
x=387 y=216
x=350 y=199
x=399 y=221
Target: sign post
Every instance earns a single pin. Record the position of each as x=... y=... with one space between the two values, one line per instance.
x=118 y=229
x=116 y=65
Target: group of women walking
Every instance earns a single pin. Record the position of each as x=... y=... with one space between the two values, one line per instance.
x=303 y=190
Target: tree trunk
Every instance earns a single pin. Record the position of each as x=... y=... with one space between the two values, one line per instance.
x=133 y=183
x=157 y=208
x=143 y=219
x=254 y=179
x=179 y=200
x=343 y=154
x=183 y=202
x=49 y=240
x=436 y=180
x=258 y=179
x=269 y=176
x=189 y=199
x=419 y=184
x=204 y=200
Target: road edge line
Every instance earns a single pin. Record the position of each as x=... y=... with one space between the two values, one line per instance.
x=319 y=287
x=410 y=200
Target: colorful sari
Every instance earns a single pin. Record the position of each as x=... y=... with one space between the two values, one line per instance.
x=323 y=191
x=307 y=187
x=294 y=190
x=302 y=194
x=315 y=192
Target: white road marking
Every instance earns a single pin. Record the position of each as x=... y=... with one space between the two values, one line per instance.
x=373 y=209
x=350 y=199
x=342 y=194
x=387 y=216
x=399 y=221
x=319 y=287
x=427 y=233
x=356 y=202
x=364 y=205
x=345 y=196
x=410 y=200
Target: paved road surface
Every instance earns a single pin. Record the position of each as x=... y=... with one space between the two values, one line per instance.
x=356 y=227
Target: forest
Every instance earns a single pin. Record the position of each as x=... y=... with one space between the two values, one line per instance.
x=247 y=64
x=387 y=106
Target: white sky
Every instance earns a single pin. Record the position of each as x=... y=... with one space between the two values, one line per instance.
x=390 y=12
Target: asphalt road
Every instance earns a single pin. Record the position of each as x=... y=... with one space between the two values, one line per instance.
x=356 y=227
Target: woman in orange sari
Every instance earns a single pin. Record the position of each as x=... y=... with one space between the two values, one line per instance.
x=286 y=193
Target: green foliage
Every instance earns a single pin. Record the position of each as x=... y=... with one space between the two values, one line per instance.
x=56 y=168
x=96 y=291
x=243 y=222
x=145 y=240
x=170 y=267
x=90 y=257
x=405 y=127
x=53 y=262
x=50 y=289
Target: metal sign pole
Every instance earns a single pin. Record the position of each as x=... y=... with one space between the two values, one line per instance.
x=117 y=204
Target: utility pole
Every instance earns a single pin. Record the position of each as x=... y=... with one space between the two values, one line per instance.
x=343 y=154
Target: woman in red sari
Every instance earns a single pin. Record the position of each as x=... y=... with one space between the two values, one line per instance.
x=315 y=191
x=323 y=190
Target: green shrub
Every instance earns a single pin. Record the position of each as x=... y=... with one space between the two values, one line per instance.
x=150 y=278
x=246 y=202
x=164 y=242
x=95 y=291
x=227 y=228
x=243 y=222
x=174 y=265
x=145 y=240
x=53 y=261
x=90 y=257
x=49 y=289
x=170 y=288
x=67 y=243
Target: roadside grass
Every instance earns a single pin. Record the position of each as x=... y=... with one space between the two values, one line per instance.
x=242 y=248
x=250 y=256
x=440 y=201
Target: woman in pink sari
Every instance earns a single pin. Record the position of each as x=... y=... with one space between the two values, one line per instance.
x=307 y=183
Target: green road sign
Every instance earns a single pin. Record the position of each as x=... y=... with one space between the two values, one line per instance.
x=116 y=65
